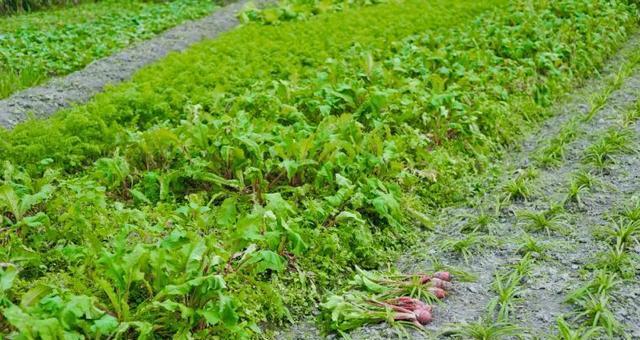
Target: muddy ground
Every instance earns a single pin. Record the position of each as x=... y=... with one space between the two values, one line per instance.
x=560 y=272
x=82 y=85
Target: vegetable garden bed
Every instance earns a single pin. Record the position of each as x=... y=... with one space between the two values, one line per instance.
x=225 y=190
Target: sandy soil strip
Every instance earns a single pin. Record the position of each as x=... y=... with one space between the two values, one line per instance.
x=80 y=86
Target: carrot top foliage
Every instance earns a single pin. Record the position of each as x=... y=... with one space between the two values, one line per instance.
x=234 y=184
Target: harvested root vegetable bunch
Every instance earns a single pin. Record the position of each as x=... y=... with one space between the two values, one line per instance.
x=421 y=312
x=422 y=286
x=397 y=299
x=354 y=310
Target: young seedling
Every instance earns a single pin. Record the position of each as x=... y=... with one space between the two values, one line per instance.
x=551 y=155
x=599 y=154
x=531 y=245
x=523 y=267
x=554 y=152
x=575 y=194
x=581 y=184
x=535 y=221
x=631 y=116
x=614 y=142
x=597 y=102
x=480 y=223
x=632 y=211
x=507 y=289
x=586 y=179
x=565 y=332
x=623 y=73
x=518 y=189
x=467 y=245
x=618 y=260
x=484 y=329
x=594 y=310
x=624 y=231
x=602 y=283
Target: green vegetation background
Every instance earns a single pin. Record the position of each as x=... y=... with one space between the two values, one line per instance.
x=231 y=186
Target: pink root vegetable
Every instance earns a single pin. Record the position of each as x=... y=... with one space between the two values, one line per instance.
x=409 y=303
x=409 y=309
x=424 y=279
x=438 y=292
x=442 y=284
x=423 y=316
x=446 y=276
x=396 y=308
x=418 y=318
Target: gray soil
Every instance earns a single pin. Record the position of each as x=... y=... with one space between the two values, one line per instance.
x=78 y=87
x=560 y=272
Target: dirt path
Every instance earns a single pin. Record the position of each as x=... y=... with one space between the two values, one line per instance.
x=82 y=85
x=569 y=248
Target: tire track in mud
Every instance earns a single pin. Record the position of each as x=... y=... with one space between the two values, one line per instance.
x=552 y=278
x=80 y=86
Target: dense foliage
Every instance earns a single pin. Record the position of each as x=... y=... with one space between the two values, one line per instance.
x=226 y=184
x=19 y=6
x=288 y=10
x=38 y=46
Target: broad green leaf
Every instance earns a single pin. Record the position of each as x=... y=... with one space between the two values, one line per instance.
x=10 y=201
x=138 y=195
x=227 y=214
x=194 y=260
x=228 y=313
x=266 y=260
x=105 y=325
x=8 y=273
x=279 y=205
x=33 y=296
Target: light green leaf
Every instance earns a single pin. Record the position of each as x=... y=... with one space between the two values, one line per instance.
x=266 y=260
x=8 y=274
x=227 y=214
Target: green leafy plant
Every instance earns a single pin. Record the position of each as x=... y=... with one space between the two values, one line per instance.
x=614 y=142
x=582 y=182
x=507 y=288
x=555 y=150
x=618 y=260
x=18 y=6
x=603 y=283
x=245 y=188
x=531 y=245
x=480 y=222
x=632 y=211
x=467 y=245
x=535 y=221
x=624 y=232
x=595 y=311
x=484 y=329
x=565 y=332
x=36 y=46
x=288 y=10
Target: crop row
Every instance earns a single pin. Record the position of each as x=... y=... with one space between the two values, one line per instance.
x=232 y=185
x=8 y=7
x=41 y=45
